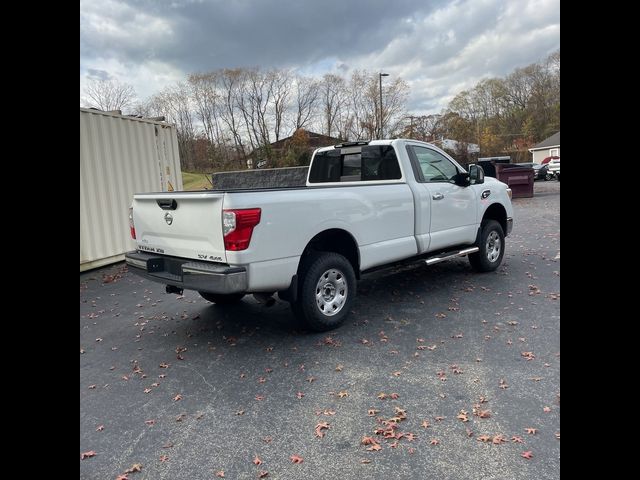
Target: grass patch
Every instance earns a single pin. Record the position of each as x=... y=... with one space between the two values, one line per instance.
x=196 y=181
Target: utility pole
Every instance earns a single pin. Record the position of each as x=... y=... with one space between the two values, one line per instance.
x=380 y=75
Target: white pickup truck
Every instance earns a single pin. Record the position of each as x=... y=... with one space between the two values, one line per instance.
x=365 y=205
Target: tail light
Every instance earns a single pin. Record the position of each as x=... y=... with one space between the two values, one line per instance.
x=237 y=227
x=132 y=228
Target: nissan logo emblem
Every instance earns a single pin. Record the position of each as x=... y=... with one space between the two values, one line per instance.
x=168 y=218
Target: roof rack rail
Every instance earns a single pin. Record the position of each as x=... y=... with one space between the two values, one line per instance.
x=351 y=144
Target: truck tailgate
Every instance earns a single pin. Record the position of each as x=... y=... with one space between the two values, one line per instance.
x=180 y=224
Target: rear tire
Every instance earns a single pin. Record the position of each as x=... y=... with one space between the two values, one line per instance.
x=491 y=244
x=326 y=291
x=222 y=299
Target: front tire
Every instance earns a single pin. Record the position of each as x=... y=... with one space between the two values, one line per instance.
x=222 y=299
x=326 y=291
x=491 y=244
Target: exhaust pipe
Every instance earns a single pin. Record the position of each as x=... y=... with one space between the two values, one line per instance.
x=265 y=299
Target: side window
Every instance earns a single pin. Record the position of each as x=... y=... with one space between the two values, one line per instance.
x=369 y=163
x=435 y=167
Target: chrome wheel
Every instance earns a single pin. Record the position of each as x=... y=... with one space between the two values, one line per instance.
x=331 y=292
x=493 y=246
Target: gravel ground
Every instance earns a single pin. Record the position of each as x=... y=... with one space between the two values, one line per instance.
x=187 y=389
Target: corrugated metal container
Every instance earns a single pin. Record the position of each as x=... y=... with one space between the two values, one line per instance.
x=119 y=156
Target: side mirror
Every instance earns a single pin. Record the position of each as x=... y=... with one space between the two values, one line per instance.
x=476 y=174
x=462 y=179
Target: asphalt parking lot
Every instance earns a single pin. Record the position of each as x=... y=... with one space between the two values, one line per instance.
x=467 y=364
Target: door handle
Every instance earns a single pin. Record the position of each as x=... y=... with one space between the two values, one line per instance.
x=437 y=196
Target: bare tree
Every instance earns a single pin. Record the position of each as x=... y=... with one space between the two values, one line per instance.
x=333 y=95
x=109 y=95
x=306 y=101
x=280 y=85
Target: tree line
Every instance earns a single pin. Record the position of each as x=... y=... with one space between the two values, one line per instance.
x=226 y=116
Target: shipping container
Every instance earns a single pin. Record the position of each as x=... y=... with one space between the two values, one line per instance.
x=119 y=156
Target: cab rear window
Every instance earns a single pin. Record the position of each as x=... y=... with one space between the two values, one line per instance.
x=355 y=164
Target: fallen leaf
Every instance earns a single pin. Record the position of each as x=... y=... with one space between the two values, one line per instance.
x=164 y=458
x=150 y=422
x=122 y=477
x=517 y=439
x=484 y=438
x=319 y=427
x=498 y=439
x=92 y=387
x=88 y=454
x=382 y=395
x=343 y=394
x=368 y=441
x=469 y=432
x=410 y=436
x=365 y=460
x=259 y=397
x=310 y=379
x=439 y=419
x=257 y=461
x=434 y=441
x=296 y=459
x=528 y=355
x=375 y=447
x=372 y=412
x=531 y=431
x=339 y=368
x=528 y=455
x=262 y=474
x=100 y=428
x=177 y=397
x=462 y=416
x=240 y=412
x=424 y=424
x=164 y=365
x=557 y=435
x=546 y=409
x=299 y=395
x=136 y=467
x=394 y=396
x=220 y=473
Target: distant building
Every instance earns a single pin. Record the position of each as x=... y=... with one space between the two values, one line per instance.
x=300 y=140
x=549 y=147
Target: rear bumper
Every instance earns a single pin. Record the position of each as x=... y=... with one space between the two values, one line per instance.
x=188 y=274
x=509 y=226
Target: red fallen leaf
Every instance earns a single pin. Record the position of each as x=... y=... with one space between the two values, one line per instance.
x=531 y=431
x=395 y=396
x=424 y=424
x=528 y=355
x=410 y=436
x=319 y=427
x=299 y=394
x=434 y=441
x=374 y=448
x=411 y=450
x=88 y=454
x=484 y=438
x=177 y=397
x=136 y=467
x=394 y=444
x=220 y=473
x=498 y=439
x=150 y=422
x=296 y=459
x=259 y=397
x=517 y=439
x=164 y=458
x=100 y=428
x=263 y=474
x=528 y=455
x=484 y=414
x=546 y=409
x=257 y=460
x=368 y=441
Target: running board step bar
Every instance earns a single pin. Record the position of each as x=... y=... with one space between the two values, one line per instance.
x=449 y=255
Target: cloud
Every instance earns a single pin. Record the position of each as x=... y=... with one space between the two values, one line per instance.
x=438 y=46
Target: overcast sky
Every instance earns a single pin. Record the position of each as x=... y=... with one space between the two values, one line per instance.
x=439 y=47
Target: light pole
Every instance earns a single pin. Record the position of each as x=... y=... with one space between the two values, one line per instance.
x=380 y=75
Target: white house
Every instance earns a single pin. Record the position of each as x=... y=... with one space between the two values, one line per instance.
x=549 y=147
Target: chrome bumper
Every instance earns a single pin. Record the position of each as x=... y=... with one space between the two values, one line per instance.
x=509 y=226
x=188 y=274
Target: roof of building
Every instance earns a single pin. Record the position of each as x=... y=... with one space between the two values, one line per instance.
x=552 y=141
